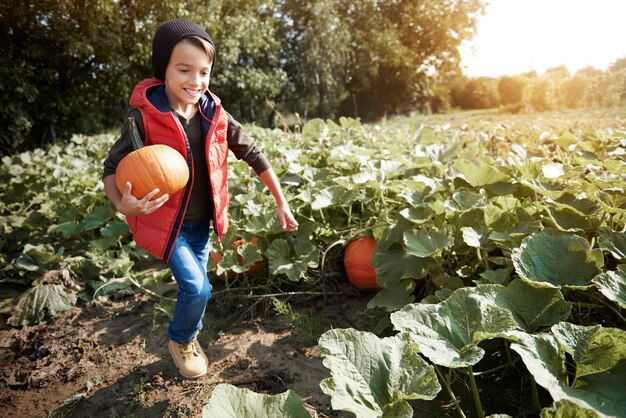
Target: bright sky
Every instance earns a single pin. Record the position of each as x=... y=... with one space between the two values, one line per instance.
x=516 y=36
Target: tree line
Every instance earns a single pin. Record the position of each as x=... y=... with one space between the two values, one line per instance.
x=68 y=66
x=556 y=88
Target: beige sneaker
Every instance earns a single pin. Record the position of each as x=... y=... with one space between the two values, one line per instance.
x=190 y=360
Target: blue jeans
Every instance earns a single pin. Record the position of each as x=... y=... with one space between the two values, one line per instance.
x=188 y=264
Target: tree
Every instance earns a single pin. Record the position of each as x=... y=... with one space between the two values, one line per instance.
x=401 y=50
x=511 y=90
x=248 y=62
x=69 y=66
x=617 y=71
x=316 y=46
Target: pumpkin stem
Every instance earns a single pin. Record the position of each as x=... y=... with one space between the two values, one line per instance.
x=134 y=134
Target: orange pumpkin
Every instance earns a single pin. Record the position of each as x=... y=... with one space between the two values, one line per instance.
x=151 y=167
x=217 y=257
x=357 y=260
x=256 y=266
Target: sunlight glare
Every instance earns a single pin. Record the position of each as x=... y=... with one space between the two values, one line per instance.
x=517 y=36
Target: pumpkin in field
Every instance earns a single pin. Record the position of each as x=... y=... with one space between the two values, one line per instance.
x=256 y=266
x=357 y=261
x=259 y=265
x=151 y=167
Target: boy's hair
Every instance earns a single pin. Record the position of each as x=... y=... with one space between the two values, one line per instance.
x=207 y=47
x=168 y=35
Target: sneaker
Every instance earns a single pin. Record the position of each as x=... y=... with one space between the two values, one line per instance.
x=190 y=360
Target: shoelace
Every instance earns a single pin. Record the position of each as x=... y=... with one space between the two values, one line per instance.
x=188 y=350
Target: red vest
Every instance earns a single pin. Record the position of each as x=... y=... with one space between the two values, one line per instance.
x=157 y=231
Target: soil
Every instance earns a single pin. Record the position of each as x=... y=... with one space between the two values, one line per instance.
x=108 y=357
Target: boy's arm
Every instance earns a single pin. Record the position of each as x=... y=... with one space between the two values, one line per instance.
x=287 y=220
x=125 y=202
x=129 y=205
x=245 y=149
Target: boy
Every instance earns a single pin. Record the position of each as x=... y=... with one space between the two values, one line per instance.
x=176 y=108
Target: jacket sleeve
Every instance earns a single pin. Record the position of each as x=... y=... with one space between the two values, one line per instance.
x=123 y=146
x=244 y=147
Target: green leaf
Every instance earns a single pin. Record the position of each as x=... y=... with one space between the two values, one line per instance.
x=98 y=217
x=474 y=237
x=570 y=220
x=40 y=257
x=331 y=196
x=67 y=229
x=612 y=285
x=428 y=136
x=314 y=129
x=394 y=295
x=228 y=401
x=467 y=200
x=565 y=139
x=421 y=243
x=480 y=174
x=41 y=302
x=395 y=264
x=567 y=409
x=613 y=242
x=545 y=360
x=499 y=276
x=595 y=349
x=557 y=259
x=533 y=307
x=613 y=199
x=417 y=215
x=448 y=332
x=279 y=255
x=114 y=229
x=84 y=269
x=294 y=263
x=373 y=377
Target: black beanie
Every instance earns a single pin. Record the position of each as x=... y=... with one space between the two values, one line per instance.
x=167 y=36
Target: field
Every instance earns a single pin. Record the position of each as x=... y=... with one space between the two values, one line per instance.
x=501 y=257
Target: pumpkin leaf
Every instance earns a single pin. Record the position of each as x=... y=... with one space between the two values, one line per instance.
x=396 y=264
x=545 y=360
x=533 y=307
x=499 y=276
x=557 y=259
x=448 y=332
x=374 y=377
x=228 y=401
x=570 y=220
x=567 y=409
x=424 y=244
x=480 y=174
x=612 y=285
x=613 y=242
x=41 y=302
x=394 y=296
x=595 y=349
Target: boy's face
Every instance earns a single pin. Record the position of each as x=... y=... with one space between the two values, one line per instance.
x=187 y=75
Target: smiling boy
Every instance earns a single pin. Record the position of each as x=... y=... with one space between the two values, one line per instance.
x=177 y=109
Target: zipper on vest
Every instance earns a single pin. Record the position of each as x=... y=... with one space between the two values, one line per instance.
x=180 y=215
x=210 y=135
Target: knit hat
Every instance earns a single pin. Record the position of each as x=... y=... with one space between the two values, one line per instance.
x=165 y=39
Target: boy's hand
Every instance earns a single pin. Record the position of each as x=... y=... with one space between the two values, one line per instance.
x=287 y=220
x=131 y=206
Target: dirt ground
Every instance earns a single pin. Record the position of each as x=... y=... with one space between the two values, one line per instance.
x=109 y=357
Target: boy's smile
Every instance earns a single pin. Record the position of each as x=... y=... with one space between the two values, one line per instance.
x=186 y=77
